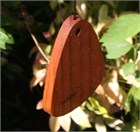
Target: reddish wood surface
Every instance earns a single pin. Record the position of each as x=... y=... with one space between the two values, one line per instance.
x=76 y=67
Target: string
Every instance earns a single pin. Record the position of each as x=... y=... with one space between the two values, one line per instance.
x=74 y=9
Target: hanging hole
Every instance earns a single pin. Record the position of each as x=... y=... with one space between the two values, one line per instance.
x=77 y=33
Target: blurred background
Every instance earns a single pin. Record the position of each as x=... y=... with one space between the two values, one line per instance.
x=114 y=105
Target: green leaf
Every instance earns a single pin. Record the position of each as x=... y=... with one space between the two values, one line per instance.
x=94 y=105
x=136 y=126
x=103 y=12
x=128 y=68
x=117 y=49
x=48 y=49
x=135 y=92
x=132 y=100
x=2 y=44
x=5 y=37
x=10 y=39
x=126 y=26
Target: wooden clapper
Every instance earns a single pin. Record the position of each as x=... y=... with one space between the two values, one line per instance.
x=76 y=67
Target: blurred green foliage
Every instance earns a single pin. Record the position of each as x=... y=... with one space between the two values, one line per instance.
x=5 y=38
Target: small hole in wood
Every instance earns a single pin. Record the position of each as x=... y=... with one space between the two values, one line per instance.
x=77 y=33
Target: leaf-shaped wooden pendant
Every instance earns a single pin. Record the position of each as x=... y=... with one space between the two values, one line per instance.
x=76 y=67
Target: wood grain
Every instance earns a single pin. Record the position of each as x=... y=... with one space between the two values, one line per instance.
x=76 y=67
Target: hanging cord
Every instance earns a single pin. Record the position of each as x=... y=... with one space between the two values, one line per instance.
x=74 y=10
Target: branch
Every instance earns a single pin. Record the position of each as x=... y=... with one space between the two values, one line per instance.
x=35 y=40
x=111 y=67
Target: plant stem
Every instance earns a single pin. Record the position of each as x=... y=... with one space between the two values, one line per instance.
x=111 y=67
x=36 y=42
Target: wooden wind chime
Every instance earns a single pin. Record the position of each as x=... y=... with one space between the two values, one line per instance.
x=76 y=67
